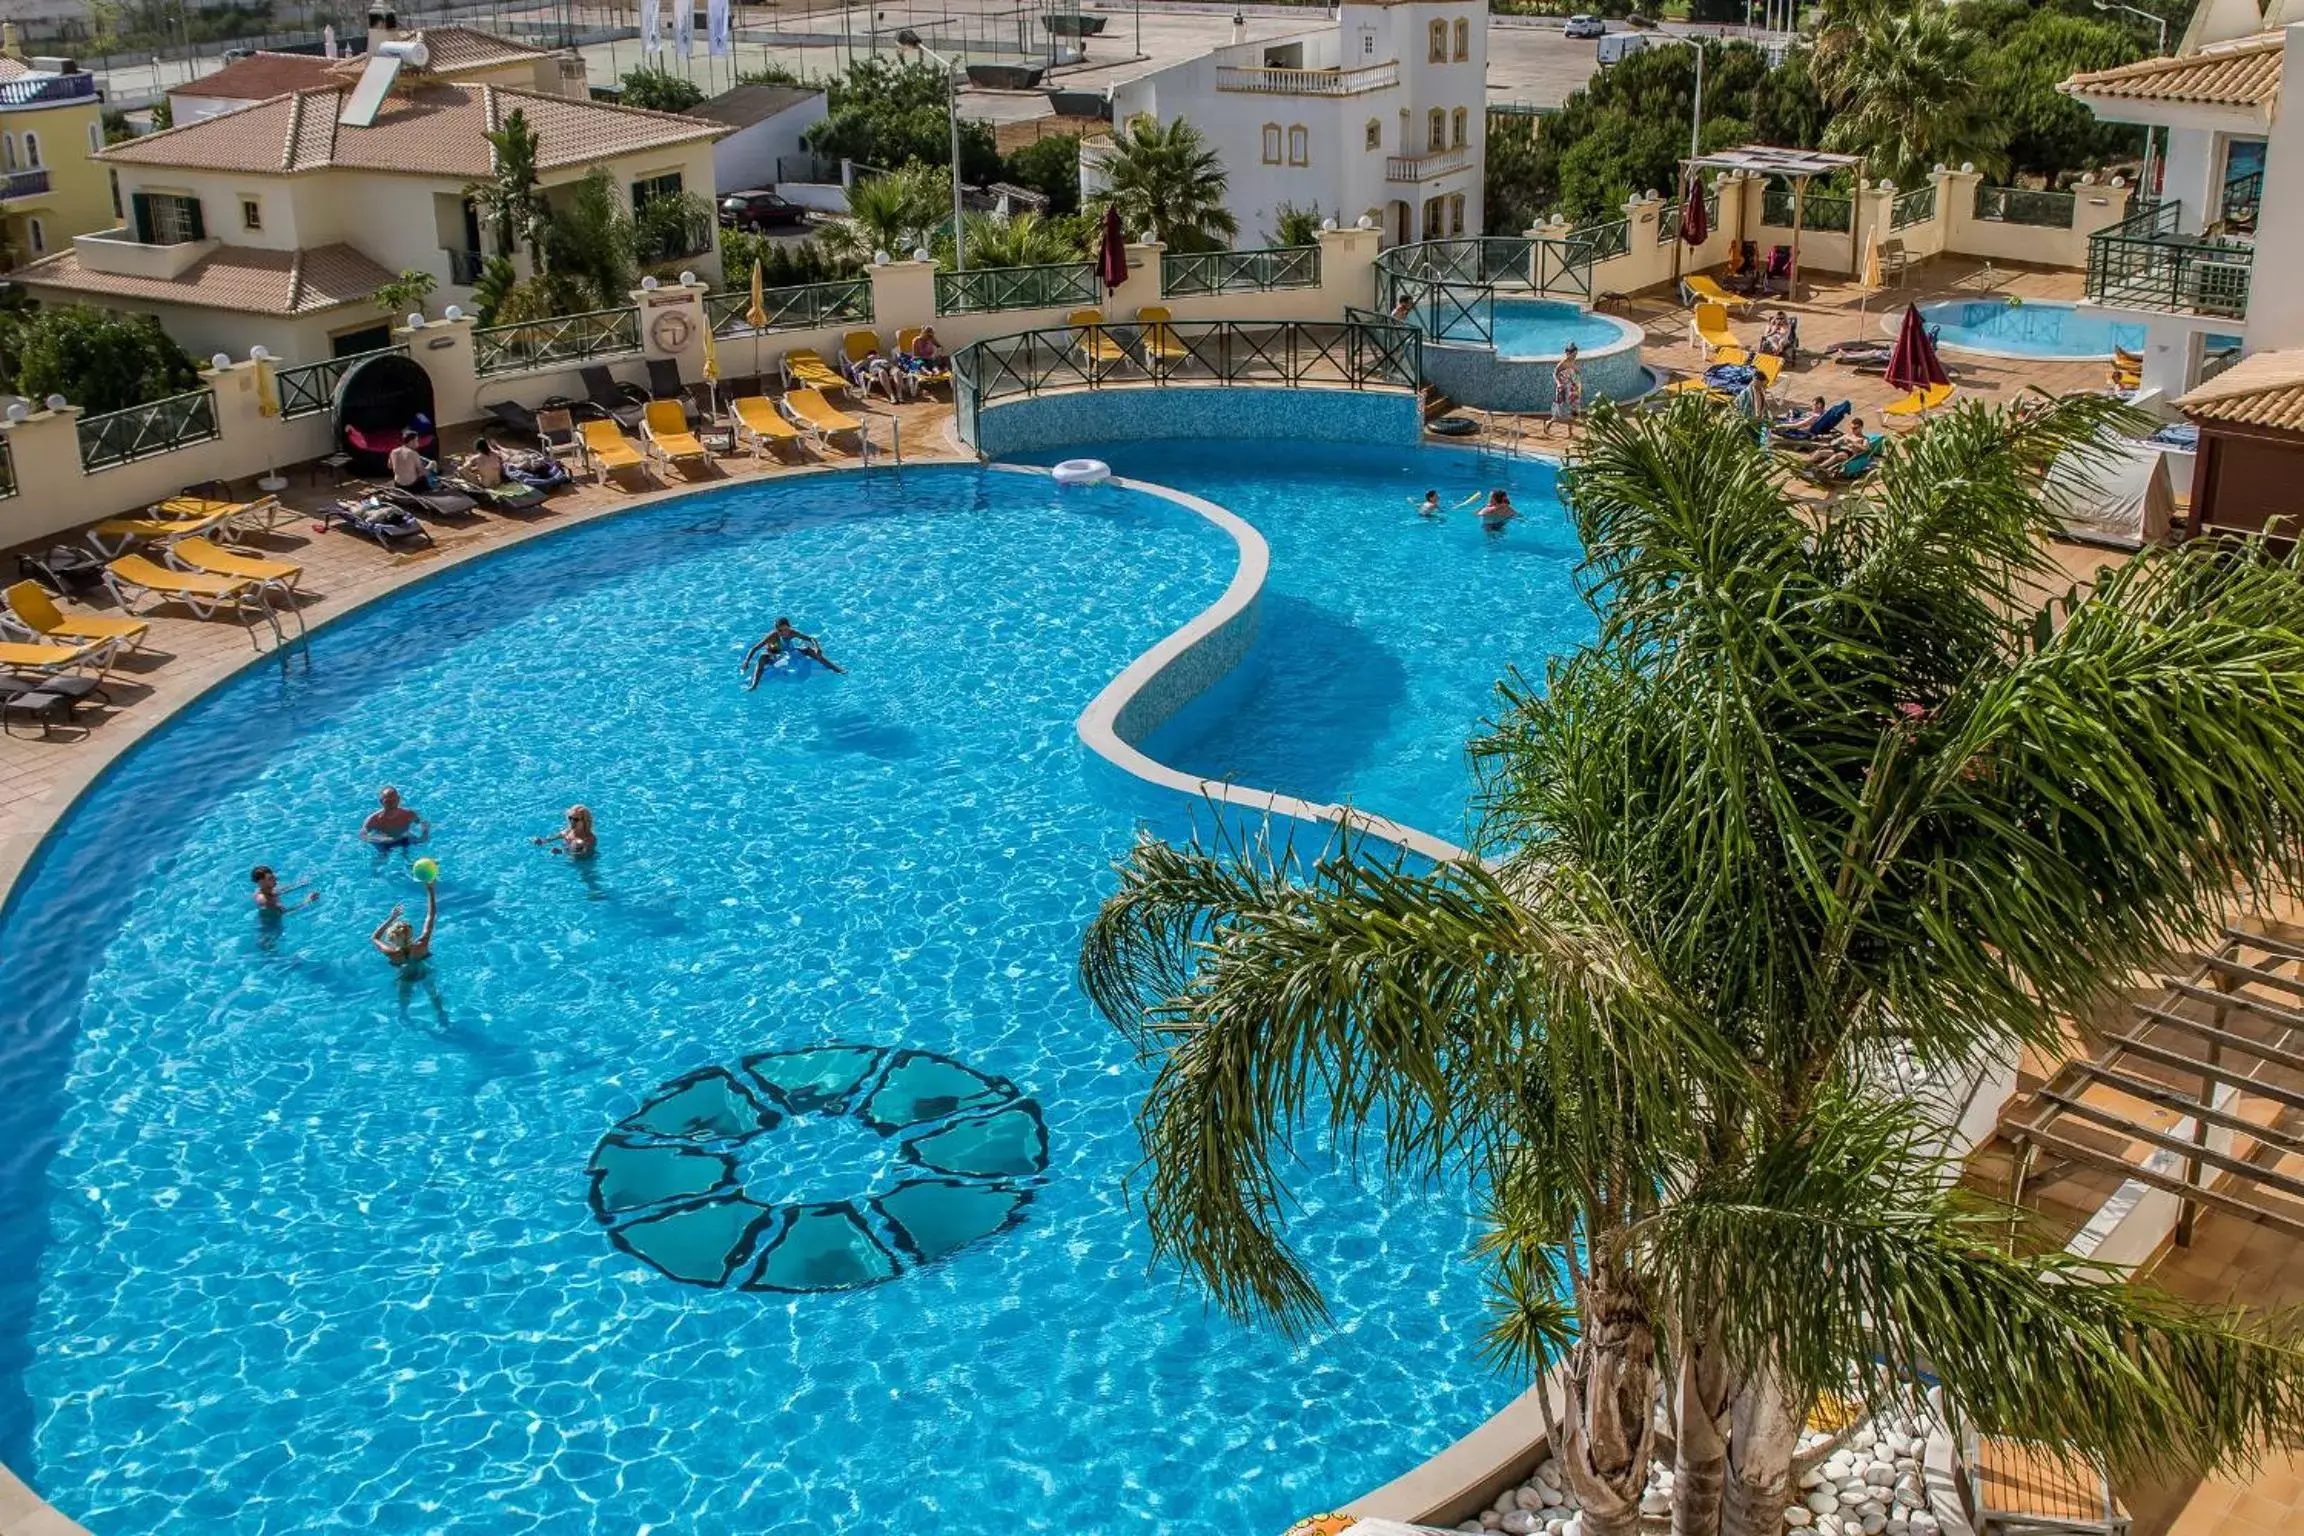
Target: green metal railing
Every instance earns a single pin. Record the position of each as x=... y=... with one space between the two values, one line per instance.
x=1668 y=225
x=1298 y=354
x=2143 y=263
x=1827 y=211
x=2242 y=195
x=987 y=290
x=1605 y=240
x=1451 y=285
x=1917 y=206
x=801 y=307
x=2022 y=205
x=143 y=431
x=7 y=471
x=1198 y=272
x=556 y=341
x=310 y=388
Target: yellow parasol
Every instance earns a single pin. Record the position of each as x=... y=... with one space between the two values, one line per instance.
x=267 y=394
x=757 y=318
x=1868 y=280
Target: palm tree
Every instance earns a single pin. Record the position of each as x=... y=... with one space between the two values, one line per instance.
x=1169 y=186
x=1292 y=225
x=896 y=213
x=512 y=195
x=1897 y=76
x=1832 y=785
x=1020 y=240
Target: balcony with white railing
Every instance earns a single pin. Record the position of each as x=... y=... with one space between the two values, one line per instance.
x=1309 y=82
x=1431 y=167
x=18 y=184
x=45 y=90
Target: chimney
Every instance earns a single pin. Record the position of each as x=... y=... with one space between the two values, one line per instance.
x=11 y=40
x=383 y=23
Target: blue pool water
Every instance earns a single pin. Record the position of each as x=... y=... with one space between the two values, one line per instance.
x=299 y=1244
x=2037 y=328
x=1544 y=327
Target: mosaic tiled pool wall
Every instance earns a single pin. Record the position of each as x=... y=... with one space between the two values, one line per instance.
x=1230 y=411
x=1476 y=376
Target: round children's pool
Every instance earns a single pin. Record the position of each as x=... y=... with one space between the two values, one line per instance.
x=2044 y=330
x=1511 y=369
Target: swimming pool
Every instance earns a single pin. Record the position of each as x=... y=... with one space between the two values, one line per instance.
x=1544 y=327
x=316 y=1246
x=2043 y=329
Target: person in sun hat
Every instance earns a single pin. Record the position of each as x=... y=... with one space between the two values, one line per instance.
x=1567 y=389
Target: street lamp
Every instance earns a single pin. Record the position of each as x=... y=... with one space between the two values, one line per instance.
x=2162 y=23
x=911 y=39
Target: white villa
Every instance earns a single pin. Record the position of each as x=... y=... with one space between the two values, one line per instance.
x=454 y=53
x=2182 y=266
x=273 y=224
x=1381 y=114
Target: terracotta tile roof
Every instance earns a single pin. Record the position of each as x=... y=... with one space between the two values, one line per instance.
x=434 y=130
x=2266 y=390
x=262 y=77
x=231 y=277
x=2244 y=72
x=13 y=69
x=454 y=51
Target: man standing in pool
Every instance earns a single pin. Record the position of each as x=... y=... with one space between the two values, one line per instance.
x=269 y=892
x=1498 y=512
x=393 y=825
x=770 y=649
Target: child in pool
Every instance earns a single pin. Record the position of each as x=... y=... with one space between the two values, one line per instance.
x=577 y=839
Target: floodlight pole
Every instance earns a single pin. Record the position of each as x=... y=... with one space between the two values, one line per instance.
x=952 y=105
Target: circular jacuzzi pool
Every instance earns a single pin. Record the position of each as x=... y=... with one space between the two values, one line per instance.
x=2043 y=330
x=1511 y=370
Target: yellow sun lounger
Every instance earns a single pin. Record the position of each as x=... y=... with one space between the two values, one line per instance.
x=1099 y=348
x=817 y=418
x=48 y=656
x=114 y=535
x=265 y=512
x=808 y=370
x=1766 y=364
x=665 y=425
x=935 y=370
x=859 y=345
x=609 y=450
x=1706 y=291
x=1709 y=323
x=32 y=608
x=205 y=594
x=1160 y=343
x=756 y=420
x=197 y=554
x=1921 y=401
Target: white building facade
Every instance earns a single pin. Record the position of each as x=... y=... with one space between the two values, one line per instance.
x=1381 y=115
x=2182 y=266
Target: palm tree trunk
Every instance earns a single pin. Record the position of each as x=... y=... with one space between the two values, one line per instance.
x=1611 y=1409
x=1764 y=1432
x=1700 y=1449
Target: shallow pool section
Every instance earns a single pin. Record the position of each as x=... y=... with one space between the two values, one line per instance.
x=2042 y=329
x=768 y=1172
x=1512 y=371
x=1383 y=632
x=1543 y=328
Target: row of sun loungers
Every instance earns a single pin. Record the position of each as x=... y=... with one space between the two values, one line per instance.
x=801 y=414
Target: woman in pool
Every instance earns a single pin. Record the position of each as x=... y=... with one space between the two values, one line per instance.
x=1567 y=390
x=1497 y=512
x=576 y=839
x=399 y=942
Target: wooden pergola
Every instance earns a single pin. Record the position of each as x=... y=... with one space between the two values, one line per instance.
x=1799 y=167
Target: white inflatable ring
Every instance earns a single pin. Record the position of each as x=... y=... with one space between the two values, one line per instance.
x=1081 y=472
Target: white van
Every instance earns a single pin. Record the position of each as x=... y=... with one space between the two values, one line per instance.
x=1612 y=47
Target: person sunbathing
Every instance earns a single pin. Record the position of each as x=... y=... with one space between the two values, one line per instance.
x=1777 y=340
x=925 y=347
x=411 y=471
x=1804 y=421
x=785 y=637
x=483 y=466
x=393 y=825
x=1844 y=448
x=399 y=942
x=577 y=839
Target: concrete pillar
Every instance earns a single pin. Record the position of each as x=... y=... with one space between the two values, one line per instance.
x=903 y=296
x=2098 y=205
x=51 y=492
x=1348 y=267
x=672 y=325
x=443 y=348
x=1956 y=206
x=1143 y=285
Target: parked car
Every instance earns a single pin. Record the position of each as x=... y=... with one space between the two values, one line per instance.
x=760 y=210
x=235 y=55
x=1619 y=46
x=1585 y=25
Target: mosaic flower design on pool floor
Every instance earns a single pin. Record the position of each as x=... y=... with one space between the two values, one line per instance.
x=817 y=1170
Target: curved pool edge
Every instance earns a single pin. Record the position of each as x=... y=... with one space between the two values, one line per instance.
x=1485 y=1457
x=1891 y=321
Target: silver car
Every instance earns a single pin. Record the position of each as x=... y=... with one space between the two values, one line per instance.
x=1586 y=26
